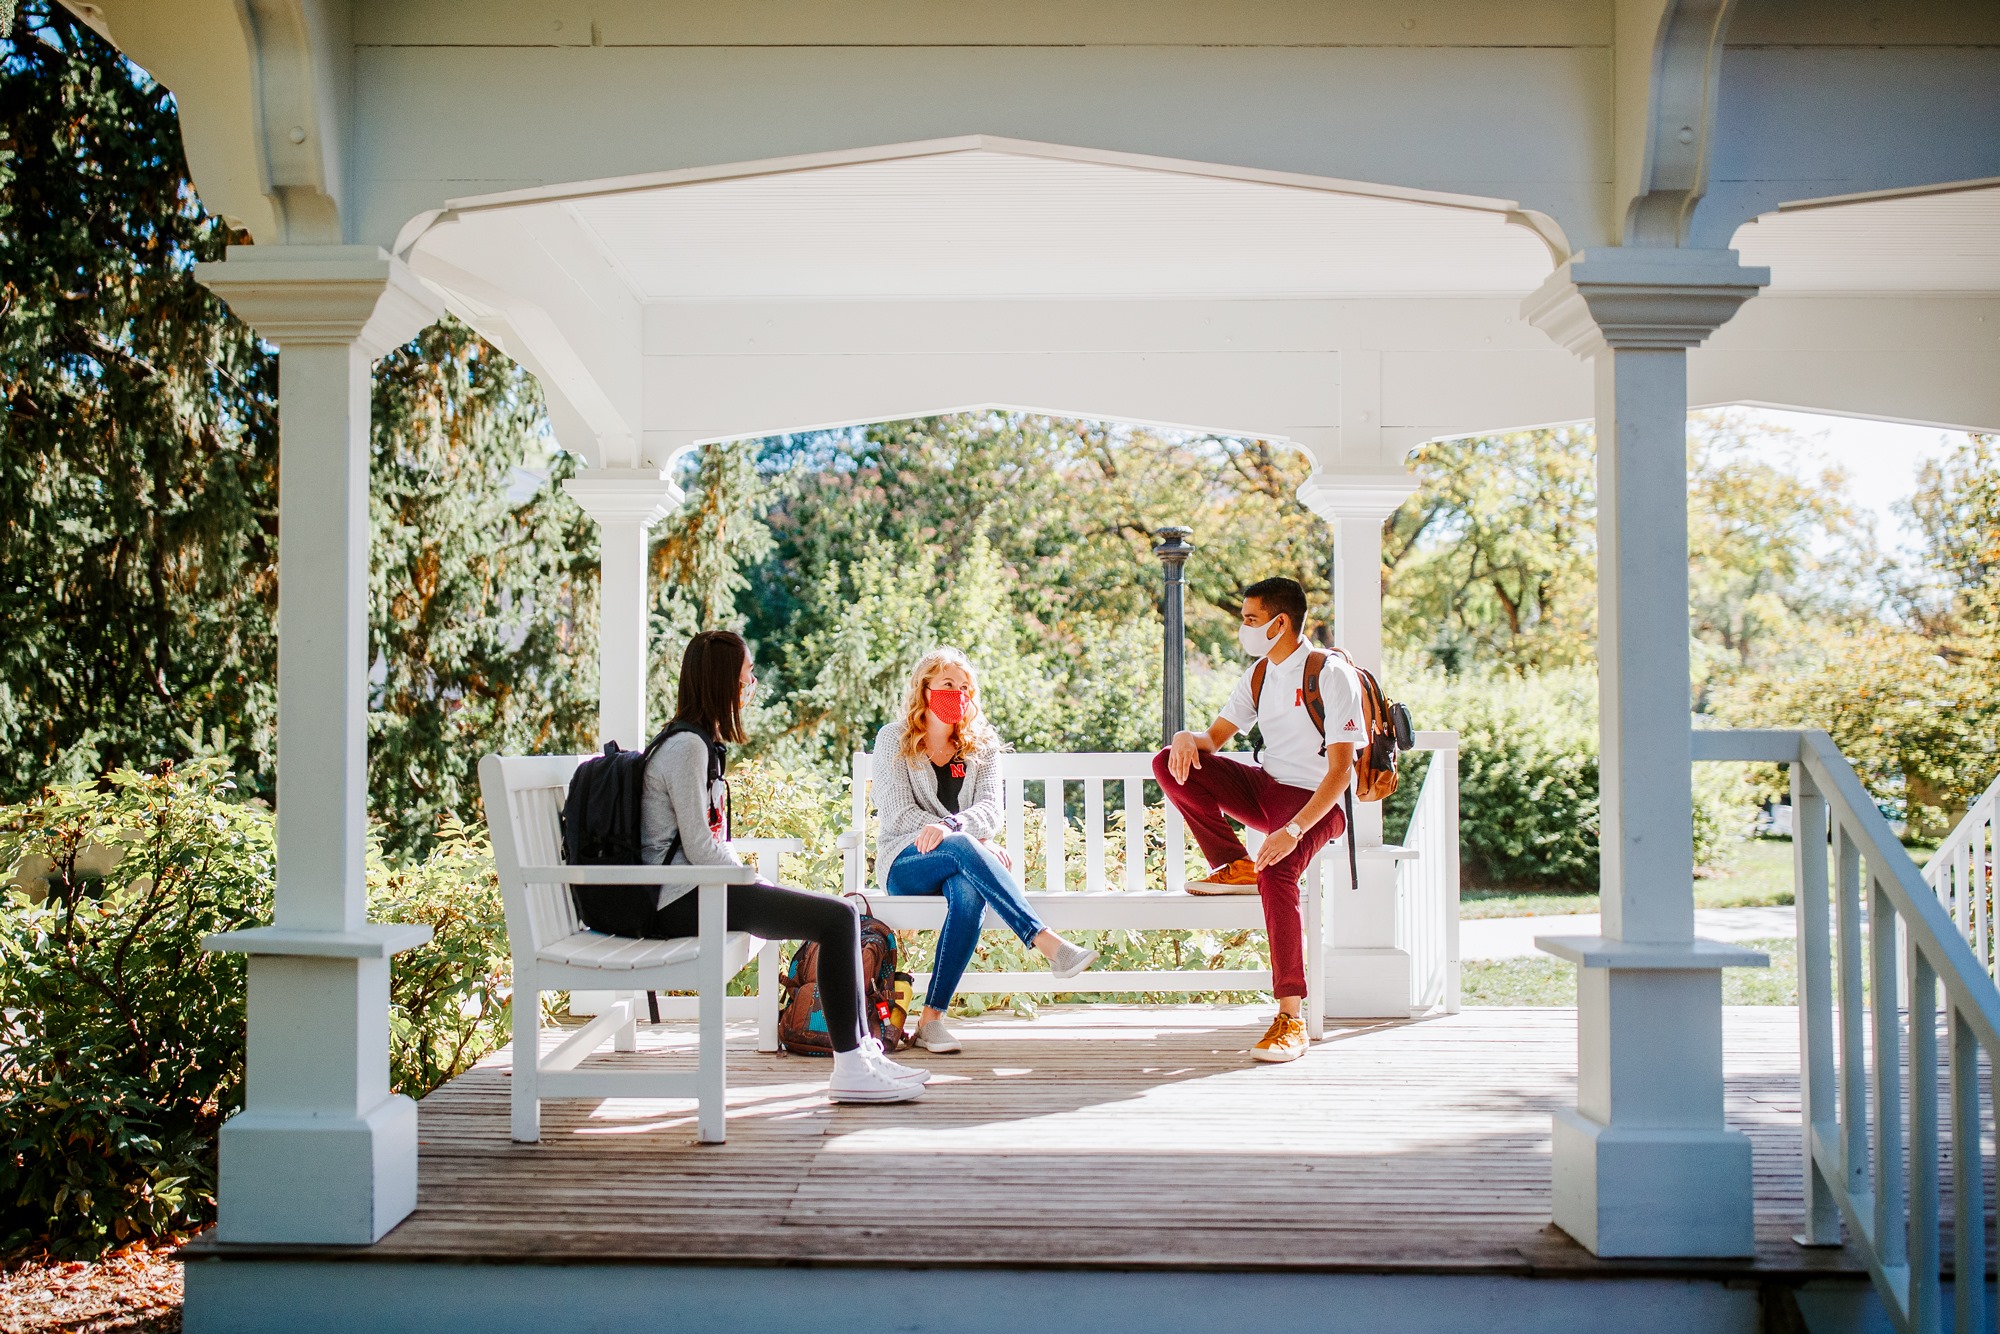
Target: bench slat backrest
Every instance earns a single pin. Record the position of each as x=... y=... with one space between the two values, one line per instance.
x=1121 y=776
x=524 y=800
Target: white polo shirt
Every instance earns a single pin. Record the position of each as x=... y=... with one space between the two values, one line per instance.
x=1291 y=742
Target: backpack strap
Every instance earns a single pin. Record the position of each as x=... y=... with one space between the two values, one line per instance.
x=718 y=763
x=1353 y=858
x=1315 y=702
x=1257 y=682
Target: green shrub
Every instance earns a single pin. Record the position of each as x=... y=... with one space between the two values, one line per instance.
x=1528 y=778
x=124 y=1048
x=449 y=999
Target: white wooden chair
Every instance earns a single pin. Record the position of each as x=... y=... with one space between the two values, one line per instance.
x=1097 y=904
x=553 y=951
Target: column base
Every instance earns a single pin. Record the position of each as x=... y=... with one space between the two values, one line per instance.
x=1367 y=984
x=1652 y=1193
x=297 y=1177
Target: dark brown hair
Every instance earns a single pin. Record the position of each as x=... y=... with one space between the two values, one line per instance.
x=712 y=684
x=1281 y=597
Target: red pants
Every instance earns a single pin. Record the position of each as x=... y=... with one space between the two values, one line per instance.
x=1222 y=789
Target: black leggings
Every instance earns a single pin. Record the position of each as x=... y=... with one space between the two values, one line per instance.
x=774 y=912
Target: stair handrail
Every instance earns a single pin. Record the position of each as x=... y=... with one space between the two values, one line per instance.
x=1961 y=874
x=1852 y=1114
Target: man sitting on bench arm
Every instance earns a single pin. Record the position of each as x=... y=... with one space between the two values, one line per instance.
x=1305 y=702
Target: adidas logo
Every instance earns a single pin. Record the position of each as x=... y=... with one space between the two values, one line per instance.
x=1349 y=726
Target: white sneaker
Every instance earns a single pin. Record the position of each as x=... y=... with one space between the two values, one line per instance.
x=862 y=1080
x=872 y=1048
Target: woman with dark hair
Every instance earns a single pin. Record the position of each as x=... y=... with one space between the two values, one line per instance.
x=684 y=819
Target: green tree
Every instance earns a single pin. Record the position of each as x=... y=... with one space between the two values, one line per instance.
x=699 y=562
x=138 y=547
x=482 y=600
x=1494 y=558
x=1027 y=541
x=138 y=442
x=1773 y=547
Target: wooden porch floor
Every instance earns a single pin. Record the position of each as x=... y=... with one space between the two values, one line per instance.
x=1089 y=1136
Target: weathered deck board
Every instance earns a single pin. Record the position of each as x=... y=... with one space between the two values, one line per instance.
x=1089 y=1136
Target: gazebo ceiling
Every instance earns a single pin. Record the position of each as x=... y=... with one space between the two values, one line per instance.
x=1945 y=241
x=983 y=224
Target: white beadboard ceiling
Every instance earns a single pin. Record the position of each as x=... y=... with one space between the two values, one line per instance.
x=1912 y=243
x=986 y=224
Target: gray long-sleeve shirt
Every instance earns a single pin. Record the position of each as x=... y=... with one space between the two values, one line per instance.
x=907 y=799
x=677 y=797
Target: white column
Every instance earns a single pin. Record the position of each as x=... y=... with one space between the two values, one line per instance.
x=626 y=502
x=1644 y=1164
x=1367 y=976
x=322 y=1151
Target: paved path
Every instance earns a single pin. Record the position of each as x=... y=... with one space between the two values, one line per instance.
x=1514 y=937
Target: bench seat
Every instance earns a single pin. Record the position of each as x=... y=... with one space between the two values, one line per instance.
x=594 y=949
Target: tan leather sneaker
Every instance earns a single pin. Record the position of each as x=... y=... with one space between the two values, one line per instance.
x=1239 y=877
x=1286 y=1040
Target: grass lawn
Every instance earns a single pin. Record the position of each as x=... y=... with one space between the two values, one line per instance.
x=1755 y=873
x=1547 y=981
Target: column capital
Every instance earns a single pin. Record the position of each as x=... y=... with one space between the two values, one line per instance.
x=293 y=294
x=1356 y=495
x=624 y=495
x=1644 y=298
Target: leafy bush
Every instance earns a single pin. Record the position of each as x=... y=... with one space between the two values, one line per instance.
x=122 y=1053
x=124 y=1043
x=769 y=799
x=449 y=1000
x=1528 y=778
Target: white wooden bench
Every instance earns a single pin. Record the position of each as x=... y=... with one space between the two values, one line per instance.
x=553 y=951
x=1097 y=904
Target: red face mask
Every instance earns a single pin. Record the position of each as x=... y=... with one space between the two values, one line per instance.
x=947 y=706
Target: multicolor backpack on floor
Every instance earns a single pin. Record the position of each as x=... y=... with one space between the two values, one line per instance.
x=801 y=1021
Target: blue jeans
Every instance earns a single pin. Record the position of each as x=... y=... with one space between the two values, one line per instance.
x=971 y=879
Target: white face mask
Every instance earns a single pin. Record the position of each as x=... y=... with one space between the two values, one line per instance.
x=1255 y=639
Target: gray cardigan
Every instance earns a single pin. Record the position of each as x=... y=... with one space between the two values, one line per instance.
x=906 y=796
x=676 y=777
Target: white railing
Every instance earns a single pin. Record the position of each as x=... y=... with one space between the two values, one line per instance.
x=1870 y=928
x=1961 y=874
x=1427 y=885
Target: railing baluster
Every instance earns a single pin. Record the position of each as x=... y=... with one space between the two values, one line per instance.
x=1815 y=947
x=1884 y=977
x=1853 y=1015
x=1926 y=1303
x=1017 y=842
x=1135 y=835
x=1176 y=836
x=1448 y=840
x=1093 y=835
x=1053 y=829
x=1968 y=1178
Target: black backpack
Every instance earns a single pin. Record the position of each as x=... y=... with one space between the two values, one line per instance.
x=601 y=826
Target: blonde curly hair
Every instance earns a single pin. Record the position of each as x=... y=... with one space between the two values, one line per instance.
x=972 y=734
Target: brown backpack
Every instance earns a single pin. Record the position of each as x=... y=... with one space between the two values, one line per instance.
x=801 y=1022
x=1388 y=723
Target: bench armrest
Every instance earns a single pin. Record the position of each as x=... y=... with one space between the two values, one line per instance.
x=641 y=875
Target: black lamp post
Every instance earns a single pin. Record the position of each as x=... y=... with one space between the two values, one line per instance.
x=1173 y=550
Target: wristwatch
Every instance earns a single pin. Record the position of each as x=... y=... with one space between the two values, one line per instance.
x=1294 y=830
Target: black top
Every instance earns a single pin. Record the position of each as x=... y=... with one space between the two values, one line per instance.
x=950 y=781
